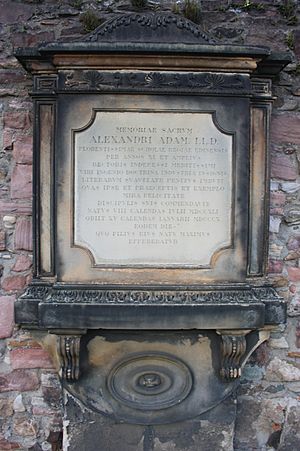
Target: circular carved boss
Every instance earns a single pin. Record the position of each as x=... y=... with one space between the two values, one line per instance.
x=150 y=382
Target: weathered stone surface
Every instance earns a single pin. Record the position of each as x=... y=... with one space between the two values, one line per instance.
x=274 y=224
x=54 y=437
x=298 y=334
x=211 y=431
x=19 y=12
x=260 y=425
x=21 y=182
x=23 y=263
x=8 y=137
x=293 y=243
x=290 y=437
x=16 y=207
x=290 y=187
x=252 y=373
x=24 y=39
x=289 y=105
x=30 y=358
x=292 y=216
x=6 y=315
x=277 y=199
x=297 y=43
x=294 y=274
x=22 y=150
x=52 y=395
x=275 y=266
x=9 y=221
x=7 y=76
x=14 y=283
x=23 y=343
x=23 y=234
x=294 y=306
x=284 y=167
x=5 y=445
x=281 y=370
x=2 y=240
x=39 y=404
x=37 y=447
x=19 y=380
x=293 y=255
x=278 y=343
x=285 y=129
x=18 y=405
x=6 y=408
x=275 y=250
x=266 y=428
x=17 y=120
x=24 y=426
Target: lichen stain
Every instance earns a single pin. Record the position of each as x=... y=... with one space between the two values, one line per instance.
x=105 y=353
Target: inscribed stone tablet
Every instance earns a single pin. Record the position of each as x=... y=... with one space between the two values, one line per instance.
x=152 y=188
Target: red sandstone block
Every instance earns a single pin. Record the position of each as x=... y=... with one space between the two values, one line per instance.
x=8 y=137
x=6 y=316
x=8 y=76
x=276 y=211
x=8 y=446
x=30 y=358
x=44 y=411
x=23 y=234
x=22 y=150
x=23 y=263
x=21 y=182
x=14 y=283
x=277 y=199
x=17 y=120
x=275 y=266
x=2 y=240
x=29 y=40
x=286 y=129
x=23 y=343
x=294 y=274
x=19 y=380
x=14 y=207
x=284 y=167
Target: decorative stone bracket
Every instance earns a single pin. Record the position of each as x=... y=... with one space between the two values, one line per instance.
x=68 y=347
x=236 y=347
x=235 y=350
x=240 y=316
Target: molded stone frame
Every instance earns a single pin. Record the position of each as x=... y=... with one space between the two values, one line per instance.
x=158 y=62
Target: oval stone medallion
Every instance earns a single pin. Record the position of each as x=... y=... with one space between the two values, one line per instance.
x=150 y=382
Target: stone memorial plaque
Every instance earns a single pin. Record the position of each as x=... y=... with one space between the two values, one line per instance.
x=152 y=188
x=155 y=231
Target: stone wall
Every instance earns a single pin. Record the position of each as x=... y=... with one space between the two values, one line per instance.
x=30 y=394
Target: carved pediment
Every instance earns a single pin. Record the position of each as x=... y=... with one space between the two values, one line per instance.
x=150 y=27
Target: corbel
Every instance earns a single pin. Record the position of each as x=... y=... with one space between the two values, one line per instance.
x=68 y=348
x=233 y=349
x=236 y=348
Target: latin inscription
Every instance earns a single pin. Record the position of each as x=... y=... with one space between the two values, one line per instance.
x=152 y=188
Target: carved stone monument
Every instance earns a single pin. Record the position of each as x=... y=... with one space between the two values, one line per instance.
x=151 y=200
